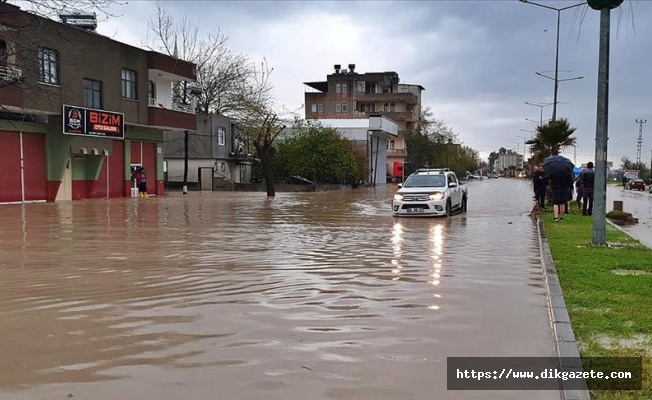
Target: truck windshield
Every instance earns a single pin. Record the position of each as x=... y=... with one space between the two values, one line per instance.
x=425 y=181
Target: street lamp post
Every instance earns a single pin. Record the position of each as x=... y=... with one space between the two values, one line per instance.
x=525 y=139
x=601 y=130
x=556 y=79
x=541 y=106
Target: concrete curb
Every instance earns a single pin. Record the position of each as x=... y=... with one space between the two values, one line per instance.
x=565 y=343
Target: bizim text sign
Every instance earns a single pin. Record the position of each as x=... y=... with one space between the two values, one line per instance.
x=90 y=122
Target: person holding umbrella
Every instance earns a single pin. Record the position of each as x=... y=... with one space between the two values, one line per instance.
x=560 y=174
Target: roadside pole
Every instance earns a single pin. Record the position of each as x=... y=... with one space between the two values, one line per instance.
x=601 y=132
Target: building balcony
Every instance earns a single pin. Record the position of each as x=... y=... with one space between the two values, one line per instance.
x=396 y=116
x=396 y=152
x=170 y=67
x=11 y=74
x=176 y=117
x=173 y=106
x=407 y=98
x=11 y=92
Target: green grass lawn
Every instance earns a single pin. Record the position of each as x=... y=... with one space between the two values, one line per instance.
x=608 y=293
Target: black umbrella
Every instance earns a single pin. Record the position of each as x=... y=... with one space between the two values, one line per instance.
x=558 y=166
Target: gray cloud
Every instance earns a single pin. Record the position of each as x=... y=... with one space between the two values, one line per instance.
x=476 y=59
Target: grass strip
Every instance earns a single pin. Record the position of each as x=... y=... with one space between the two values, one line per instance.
x=608 y=293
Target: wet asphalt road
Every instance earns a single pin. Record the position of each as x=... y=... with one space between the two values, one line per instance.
x=639 y=204
x=235 y=296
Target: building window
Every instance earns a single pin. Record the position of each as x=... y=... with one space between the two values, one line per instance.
x=48 y=66
x=223 y=166
x=92 y=93
x=386 y=108
x=129 y=84
x=221 y=136
x=320 y=108
x=3 y=53
x=391 y=107
x=338 y=88
x=360 y=85
x=392 y=145
x=344 y=88
x=313 y=108
x=151 y=91
x=338 y=108
x=344 y=107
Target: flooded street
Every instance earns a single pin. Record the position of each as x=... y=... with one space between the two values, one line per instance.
x=230 y=295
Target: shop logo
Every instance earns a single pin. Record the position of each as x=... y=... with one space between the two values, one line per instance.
x=74 y=119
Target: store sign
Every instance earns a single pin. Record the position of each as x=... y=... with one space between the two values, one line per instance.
x=91 y=122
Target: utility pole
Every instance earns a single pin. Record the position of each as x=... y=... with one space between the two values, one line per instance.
x=639 y=142
x=186 y=134
x=575 y=154
x=602 y=119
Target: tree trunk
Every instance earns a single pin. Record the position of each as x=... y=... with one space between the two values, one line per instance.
x=266 y=164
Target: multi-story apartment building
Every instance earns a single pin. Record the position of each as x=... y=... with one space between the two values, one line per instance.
x=79 y=110
x=347 y=94
x=508 y=162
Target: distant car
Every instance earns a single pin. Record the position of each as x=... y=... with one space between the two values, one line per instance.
x=636 y=183
x=492 y=176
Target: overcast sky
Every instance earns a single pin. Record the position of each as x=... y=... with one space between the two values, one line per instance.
x=476 y=59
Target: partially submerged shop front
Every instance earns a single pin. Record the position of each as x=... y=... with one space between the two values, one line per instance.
x=82 y=154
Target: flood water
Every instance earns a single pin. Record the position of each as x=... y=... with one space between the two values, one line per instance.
x=231 y=295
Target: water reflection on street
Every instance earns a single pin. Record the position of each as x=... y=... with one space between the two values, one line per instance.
x=229 y=295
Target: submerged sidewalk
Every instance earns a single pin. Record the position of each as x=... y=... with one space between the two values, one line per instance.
x=639 y=204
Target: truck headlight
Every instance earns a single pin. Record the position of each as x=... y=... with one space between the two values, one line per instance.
x=436 y=196
x=398 y=197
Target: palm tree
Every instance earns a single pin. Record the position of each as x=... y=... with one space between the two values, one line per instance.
x=551 y=138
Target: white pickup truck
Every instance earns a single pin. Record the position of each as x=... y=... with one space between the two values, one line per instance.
x=430 y=192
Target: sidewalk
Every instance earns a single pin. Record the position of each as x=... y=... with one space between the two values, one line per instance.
x=639 y=204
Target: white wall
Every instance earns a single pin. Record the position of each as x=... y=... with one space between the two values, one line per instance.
x=163 y=92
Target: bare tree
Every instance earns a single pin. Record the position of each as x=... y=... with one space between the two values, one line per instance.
x=225 y=78
x=229 y=83
x=51 y=8
x=264 y=126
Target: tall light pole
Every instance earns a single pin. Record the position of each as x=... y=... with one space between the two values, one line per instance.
x=601 y=130
x=556 y=79
x=541 y=106
x=525 y=139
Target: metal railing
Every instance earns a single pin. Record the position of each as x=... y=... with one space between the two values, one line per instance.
x=10 y=73
x=175 y=106
x=397 y=152
x=183 y=108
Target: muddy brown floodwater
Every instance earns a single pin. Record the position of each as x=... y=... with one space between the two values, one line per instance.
x=225 y=295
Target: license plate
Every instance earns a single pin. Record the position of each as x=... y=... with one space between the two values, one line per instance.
x=415 y=210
